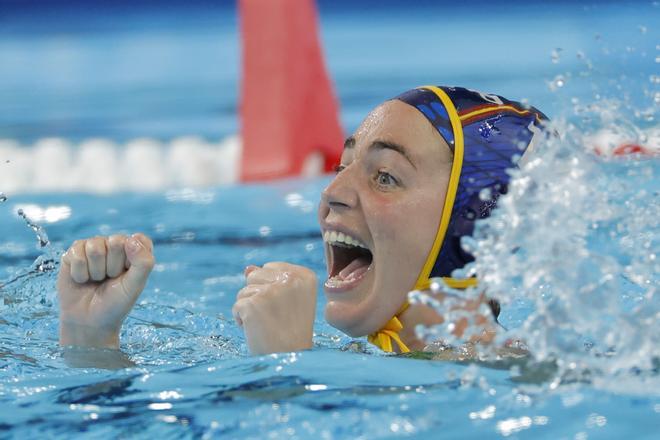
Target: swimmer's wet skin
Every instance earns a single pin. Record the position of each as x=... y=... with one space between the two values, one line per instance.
x=410 y=185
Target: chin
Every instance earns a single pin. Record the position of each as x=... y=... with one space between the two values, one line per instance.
x=356 y=320
x=343 y=317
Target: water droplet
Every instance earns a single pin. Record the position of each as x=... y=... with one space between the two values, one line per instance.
x=555 y=55
x=3 y=197
x=655 y=79
x=557 y=83
x=642 y=29
x=485 y=194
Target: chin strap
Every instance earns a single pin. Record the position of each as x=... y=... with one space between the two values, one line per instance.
x=390 y=332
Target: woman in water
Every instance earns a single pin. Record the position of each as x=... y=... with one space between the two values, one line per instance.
x=413 y=179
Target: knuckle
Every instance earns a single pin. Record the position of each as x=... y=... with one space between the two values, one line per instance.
x=248 y=291
x=77 y=259
x=239 y=305
x=241 y=294
x=143 y=238
x=277 y=265
x=94 y=251
x=95 y=248
x=242 y=308
x=116 y=242
x=255 y=274
x=309 y=276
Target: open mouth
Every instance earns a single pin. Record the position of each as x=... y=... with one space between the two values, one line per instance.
x=349 y=260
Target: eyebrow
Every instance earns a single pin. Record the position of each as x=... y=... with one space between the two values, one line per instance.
x=386 y=145
x=349 y=143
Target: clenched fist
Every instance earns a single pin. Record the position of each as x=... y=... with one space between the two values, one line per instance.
x=99 y=281
x=277 y=307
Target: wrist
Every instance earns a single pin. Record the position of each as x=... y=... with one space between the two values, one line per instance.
x=80 y=335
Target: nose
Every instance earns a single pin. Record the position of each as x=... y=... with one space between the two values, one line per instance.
x=341 y=193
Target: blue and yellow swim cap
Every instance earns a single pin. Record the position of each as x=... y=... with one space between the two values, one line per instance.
x=487 y=134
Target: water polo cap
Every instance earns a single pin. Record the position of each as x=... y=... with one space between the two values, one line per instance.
x=487 y=134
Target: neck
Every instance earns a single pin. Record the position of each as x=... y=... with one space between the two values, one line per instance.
x=413 y=316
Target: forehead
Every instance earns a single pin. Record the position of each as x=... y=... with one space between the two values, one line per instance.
x=398 y=122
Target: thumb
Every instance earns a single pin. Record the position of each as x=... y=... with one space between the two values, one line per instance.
x=141 y=262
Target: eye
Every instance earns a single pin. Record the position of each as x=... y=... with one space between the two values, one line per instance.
x=339 y=168
x=386 y=179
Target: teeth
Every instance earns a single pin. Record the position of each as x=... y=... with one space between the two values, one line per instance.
x=332 y=237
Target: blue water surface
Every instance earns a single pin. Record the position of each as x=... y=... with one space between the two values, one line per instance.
x=193 y=376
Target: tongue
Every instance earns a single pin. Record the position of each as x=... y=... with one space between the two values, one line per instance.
x=354 y=269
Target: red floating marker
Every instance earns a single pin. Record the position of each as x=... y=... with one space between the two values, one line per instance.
x=626 y=149
x=288 y=108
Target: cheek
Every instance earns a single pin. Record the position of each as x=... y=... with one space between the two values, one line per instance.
x=417 y=215
x=406 y=230
x=426 y=218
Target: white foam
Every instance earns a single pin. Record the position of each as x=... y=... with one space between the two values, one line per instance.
x=102 y=166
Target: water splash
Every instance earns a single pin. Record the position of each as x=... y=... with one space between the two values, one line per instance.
x=575 y=241
x=34 y=284
x=40 y=232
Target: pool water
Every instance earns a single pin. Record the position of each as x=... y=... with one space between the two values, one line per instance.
x=571 y=253
x=193 y=376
